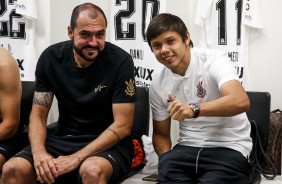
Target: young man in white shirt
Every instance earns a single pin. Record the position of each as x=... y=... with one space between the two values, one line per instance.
x=200 y=89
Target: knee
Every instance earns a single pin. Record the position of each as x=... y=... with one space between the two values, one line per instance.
x=166 y=161
x=90 y=172
x=2 y=161
x=9 y=169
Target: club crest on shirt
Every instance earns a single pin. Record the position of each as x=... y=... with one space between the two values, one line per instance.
x=129 y=90
x=201 y=92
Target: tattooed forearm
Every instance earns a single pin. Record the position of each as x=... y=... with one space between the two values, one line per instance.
x=43 y=98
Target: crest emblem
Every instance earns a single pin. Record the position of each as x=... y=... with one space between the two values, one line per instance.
x=201 y=92
x=129 y=90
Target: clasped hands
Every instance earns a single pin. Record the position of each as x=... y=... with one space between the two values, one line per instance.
x=48 y=168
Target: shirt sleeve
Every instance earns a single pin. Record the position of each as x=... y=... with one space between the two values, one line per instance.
x=27 y=8
x=221 y=69
x=252 y=14
x=124 y=86
x=159 y=111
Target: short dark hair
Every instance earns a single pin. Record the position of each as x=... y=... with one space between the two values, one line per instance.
x=166 y=22
x=93 y=9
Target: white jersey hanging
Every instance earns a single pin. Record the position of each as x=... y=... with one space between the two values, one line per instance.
x=17 y=34
x=225 y=25
x=129 y=22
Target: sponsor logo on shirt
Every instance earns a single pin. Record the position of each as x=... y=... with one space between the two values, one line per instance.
x=99 y=88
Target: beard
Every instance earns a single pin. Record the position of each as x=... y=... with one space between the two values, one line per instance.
x=84 y=56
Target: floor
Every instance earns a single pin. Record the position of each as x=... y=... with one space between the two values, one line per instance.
x=277 y=180
x=137 y=179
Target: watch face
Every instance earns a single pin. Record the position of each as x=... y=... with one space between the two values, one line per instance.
x=196 y=109
x=195 y=106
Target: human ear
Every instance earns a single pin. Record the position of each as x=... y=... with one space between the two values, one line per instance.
x=70 y=33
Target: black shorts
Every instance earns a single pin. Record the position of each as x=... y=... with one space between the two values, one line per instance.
x=12 y=146
x=120 y=155
x=191 y=165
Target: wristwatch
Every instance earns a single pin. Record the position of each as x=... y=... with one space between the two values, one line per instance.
x=196 y=109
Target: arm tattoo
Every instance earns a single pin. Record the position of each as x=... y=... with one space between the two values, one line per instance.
x=43 y=98
x=114 y=132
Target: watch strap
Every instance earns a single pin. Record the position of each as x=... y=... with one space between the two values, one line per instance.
x=196 y=109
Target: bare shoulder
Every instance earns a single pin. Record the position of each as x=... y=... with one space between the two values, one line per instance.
x=7 y=60
x=9 y=70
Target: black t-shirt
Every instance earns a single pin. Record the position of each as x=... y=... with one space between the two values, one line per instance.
x=85 y=95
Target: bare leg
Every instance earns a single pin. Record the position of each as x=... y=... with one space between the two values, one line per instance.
x=95 y=170
x=2 y=161
x=18 y=170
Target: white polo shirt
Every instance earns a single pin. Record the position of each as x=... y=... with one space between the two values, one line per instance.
x=207 y=71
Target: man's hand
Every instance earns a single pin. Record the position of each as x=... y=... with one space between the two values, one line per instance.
x=44 y=167
x=65 y=164
x=170 y=97
x=178 y=110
